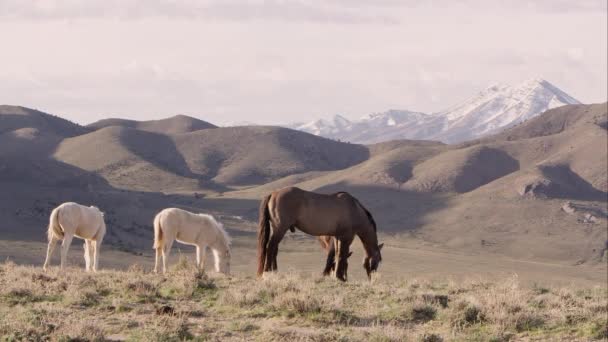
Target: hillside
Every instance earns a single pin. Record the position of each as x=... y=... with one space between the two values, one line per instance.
x=27 y=139
x=258 y=154
x=555 y=121
x=13 y=118
x=536 y=191
x=203 y=159
x=174 y=125
x=129 y=158
x=503 y=193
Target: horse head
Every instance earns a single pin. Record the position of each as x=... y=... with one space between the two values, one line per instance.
x=371 y=262
x=224 y=262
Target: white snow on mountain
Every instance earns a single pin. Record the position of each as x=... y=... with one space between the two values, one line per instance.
x=492 y=110
x=337 y=125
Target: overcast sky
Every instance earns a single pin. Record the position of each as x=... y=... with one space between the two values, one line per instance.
x=282 y=61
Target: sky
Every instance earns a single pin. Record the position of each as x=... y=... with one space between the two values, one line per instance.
x=273 y=62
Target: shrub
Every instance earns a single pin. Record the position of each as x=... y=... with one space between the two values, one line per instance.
x=421 y=313
x=528 y=321
x=431 y=338
x=441 y=300
x=297 y=303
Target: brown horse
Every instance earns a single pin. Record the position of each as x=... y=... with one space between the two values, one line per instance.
x=339 y=215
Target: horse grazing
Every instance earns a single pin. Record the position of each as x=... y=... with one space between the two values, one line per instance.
x=200 y=230
x=72 y=219
x=339 y=215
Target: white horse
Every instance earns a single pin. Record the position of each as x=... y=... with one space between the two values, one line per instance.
x=200 y=230
x=72 y=219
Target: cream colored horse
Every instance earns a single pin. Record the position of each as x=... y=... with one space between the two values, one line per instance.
x=72 y=219
x=200 y=230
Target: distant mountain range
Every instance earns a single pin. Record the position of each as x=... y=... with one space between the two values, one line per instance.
x=498 y=107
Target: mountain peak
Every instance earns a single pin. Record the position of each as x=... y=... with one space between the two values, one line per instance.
x=494 y=108
x=339 y=120
x=535 y=80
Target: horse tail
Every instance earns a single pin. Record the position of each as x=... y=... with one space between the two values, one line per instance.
x=369 y=215
x=263 y=233
x=158 y=232
x=54 y=229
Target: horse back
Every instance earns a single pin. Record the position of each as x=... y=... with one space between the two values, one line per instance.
x=185 y=226
x=80 y=220
x=319 y=214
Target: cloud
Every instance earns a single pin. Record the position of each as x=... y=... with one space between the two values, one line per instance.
x=323 y=11
x=307 y=11
x=278 y=61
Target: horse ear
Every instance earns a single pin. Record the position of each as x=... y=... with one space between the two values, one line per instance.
x=381 y=245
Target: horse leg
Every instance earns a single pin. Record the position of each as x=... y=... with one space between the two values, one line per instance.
x=338 y=259
x=96 y=248
x=204 y=257
x=49 y=252
x=65 y=245
x=342 y=258
x=198 y=257
x=273 y=248
x=269 y=249
x=331 y=255
x=166 y=252
x=159 y=253
x=201 y=256
x=87 y=255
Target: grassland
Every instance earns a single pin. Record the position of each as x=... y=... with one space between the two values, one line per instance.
x=136 y=305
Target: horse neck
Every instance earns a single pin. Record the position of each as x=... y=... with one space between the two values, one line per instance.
x=370 y=242
x=220 y=244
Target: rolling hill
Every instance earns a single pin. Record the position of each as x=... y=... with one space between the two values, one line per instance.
x=502 y=194
x=174 y=125
x=256 y=154
x=14 y=118
x=203 y=159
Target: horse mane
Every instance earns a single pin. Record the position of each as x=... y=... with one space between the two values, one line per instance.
x=369 y=215
x=101 y=212
x=220 y=227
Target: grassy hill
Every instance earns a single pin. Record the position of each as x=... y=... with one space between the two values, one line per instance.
x=189 y=305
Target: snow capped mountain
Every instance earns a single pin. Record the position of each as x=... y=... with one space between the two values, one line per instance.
x=326 y=128
x=391 y=118
x=499 y=107
x=492 y=110
x=367 y=128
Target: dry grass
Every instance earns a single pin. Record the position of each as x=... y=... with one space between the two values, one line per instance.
x=187 y=305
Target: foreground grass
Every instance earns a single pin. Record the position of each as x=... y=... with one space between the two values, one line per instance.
x=188 y=305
